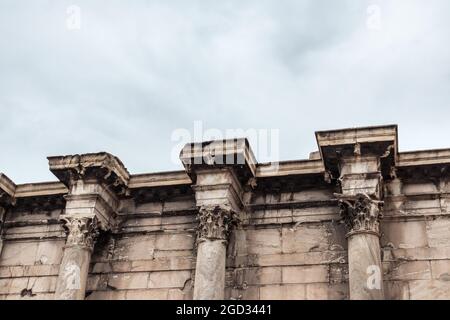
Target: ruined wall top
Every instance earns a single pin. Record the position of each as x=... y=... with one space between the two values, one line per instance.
x=380 y=141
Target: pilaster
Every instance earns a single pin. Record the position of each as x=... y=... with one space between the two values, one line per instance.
x=359 y=160
x=95 y=183
x=218 y=169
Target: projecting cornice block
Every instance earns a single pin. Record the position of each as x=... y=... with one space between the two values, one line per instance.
x=379 y=141
x=104 y=167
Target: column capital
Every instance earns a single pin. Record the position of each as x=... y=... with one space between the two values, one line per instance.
x=216 y=222
x=81 y=231
x=360 y=213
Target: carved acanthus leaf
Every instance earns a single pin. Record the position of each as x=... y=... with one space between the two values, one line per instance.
x=216 y=222
x=81 y=231
x=361 y=213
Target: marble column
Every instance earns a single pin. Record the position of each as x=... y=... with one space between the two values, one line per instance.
x=361 y=214
x=215 y=225
x=81 y=235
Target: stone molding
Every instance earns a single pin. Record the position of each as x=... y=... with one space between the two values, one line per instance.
x=102 y=166
x=81 y=231
x=360 y=213
x=216 y=222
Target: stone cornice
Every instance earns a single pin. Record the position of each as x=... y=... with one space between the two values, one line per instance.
x=379 y=141
x=372 y=134
x=103 y=166
x=289 y=168
x=40 y=189
x=7 y=190
x=159 y=179
x=332 y=144
x=218 y=154
x=424 y=158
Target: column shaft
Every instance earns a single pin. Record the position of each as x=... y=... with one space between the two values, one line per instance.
x=74 y=268
x=361 y=214
x=364 y=264
x=215 y=225
x=73 y=273
x=210 y=270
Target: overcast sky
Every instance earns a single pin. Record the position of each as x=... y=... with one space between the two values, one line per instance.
x=132 y=72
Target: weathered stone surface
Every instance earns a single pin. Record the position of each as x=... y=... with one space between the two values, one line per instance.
x=396 y=290
x=399 y=235
x=264 y=241
x=287 y=241
x=440 y=269
x=132 y=280
x=305 y=274
x=305 y=238
x=210 y=270
x=365 y=270
x=169 y=279
x=429 y=290
x=438 y=232
x=283 y=292
x=325 y=291
x=407 y=270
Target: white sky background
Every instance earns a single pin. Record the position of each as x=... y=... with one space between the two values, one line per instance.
x=137 y=70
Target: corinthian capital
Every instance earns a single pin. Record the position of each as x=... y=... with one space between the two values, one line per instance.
x=216 y=222
x=360 y=213
x=81 y=231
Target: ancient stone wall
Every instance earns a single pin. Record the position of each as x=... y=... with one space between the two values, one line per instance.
x=308 y=229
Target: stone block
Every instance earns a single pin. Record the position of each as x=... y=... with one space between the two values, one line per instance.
x=148 y=294
x=440 y=269
x=270 y=275
x=135 y=248
x=163 y=264
x=429 y=290
x=407 y=270
x=169 y=279
x=131 y=280
x=305 y=239
x=325 y=291
x=178 y=294
x=175 y=241
x=404 y=235
x=50 y=252
x=42 y=284
x=263 y=241
x=396 y=290
x=306 y=258
x=305 y=274
x=107 y=295
x=19 y=253
x=13 y=285
x=283 y=292
x=438 y=232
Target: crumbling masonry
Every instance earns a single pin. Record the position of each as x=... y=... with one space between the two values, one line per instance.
x=357 y=220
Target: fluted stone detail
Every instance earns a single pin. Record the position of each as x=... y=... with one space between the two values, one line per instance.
x=81 y=232
x=215 y=222
x=361 y=213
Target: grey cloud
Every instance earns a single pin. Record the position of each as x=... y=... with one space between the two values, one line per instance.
x=137 y=71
